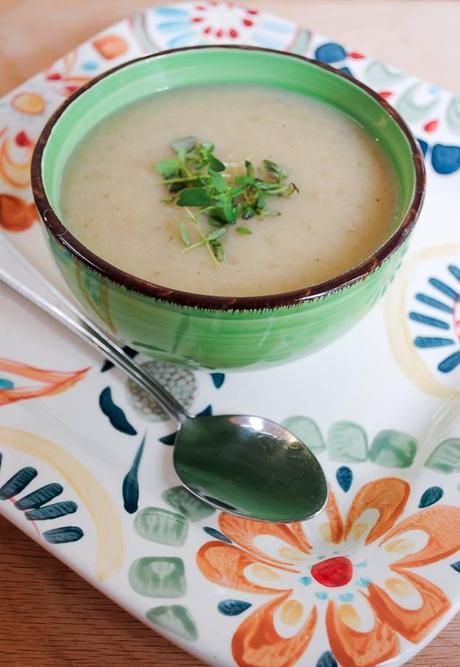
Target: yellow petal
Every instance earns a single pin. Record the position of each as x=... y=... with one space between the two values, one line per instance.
x=350 y=616
x=398 y=587
x=290 y=554
x=400 y=546
x=291 y=612
x=265 y=573
x=358 y=530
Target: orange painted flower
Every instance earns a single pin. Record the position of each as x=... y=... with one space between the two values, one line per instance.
x=16 y=215
x=48 y=382
x=365 y=594
x=111 y=46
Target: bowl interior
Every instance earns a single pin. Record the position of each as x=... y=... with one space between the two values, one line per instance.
x=208 y=66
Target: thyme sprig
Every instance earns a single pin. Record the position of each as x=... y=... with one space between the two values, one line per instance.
x=222 y=193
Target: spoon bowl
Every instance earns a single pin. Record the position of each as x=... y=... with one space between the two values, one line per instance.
x=249 y=466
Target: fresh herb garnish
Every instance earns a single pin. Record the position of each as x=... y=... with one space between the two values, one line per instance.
x=222 y=193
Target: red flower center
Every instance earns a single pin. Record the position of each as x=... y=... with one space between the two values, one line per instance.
x=333 y=572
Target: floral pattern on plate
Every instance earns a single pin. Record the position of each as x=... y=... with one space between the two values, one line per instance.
x=325 y=575
x=371 y=579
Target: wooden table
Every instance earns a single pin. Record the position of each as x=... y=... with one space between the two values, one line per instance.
x=48 y=615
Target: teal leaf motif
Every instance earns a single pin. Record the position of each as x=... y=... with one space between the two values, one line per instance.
x=17 y=483
x=306 y=430
x=185 y=502
x=431 y=496
x=327 y=660
x=168 y=439
x=233 y=607
x=218 y=379
x=162 y=577
x=34 y=504
x=393 y=449
x=114 y=413
x=347 y=442
x=217 y=535
x=446 y=456
x=130 y=486
x=63 y=535
x=162 y=526
x=53 y=511
x=207 y=412
x=39 y=497
x=344 y=477
x=176 y=619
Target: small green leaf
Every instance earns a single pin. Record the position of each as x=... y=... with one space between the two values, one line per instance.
x=266 y=186
x=168 y=168
x=275 y=169
x=229 y=212
x=215 y=223
x=250 y=171
x=216 y=215
x=218 y=181
x=243 y=231
x=193 y=197
x=237 y=211
x=184 y=233
x=185 y=144
x=218 y=250
x=215 y=164
x=216 y=234
x=271 y=213
x=260 y=204
x=248 y=212
x=175 y=187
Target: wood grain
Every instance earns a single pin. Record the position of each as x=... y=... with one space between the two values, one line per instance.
x=49 y=617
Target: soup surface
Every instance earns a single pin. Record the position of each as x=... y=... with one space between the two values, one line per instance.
x=346 y=207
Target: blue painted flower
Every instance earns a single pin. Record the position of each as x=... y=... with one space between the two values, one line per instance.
x=437 y=319
x=211 y=22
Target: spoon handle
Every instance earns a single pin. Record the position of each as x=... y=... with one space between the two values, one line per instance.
x=65 y=312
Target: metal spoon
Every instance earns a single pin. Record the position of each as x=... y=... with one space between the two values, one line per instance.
x=245 y=465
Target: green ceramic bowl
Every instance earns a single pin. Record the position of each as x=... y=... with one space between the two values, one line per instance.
x=197 y=329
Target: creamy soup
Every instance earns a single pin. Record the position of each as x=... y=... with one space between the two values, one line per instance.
x=113 y=201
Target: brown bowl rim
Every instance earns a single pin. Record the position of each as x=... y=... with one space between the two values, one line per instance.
x=270 y=301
